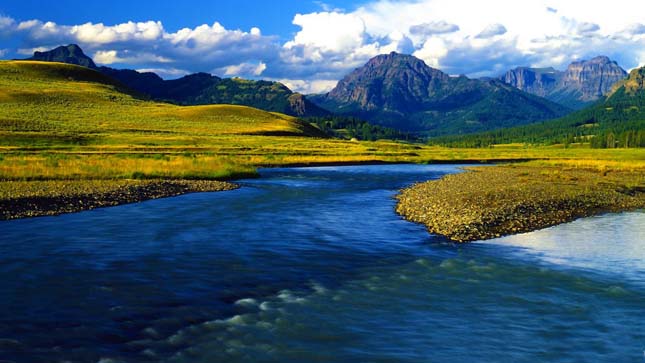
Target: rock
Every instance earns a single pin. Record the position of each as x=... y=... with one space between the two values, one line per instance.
x=401 y=91
x=496 y=201
x=582 y=83
x=71 y=54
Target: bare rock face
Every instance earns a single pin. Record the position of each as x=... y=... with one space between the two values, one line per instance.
x=582 y=83
x=538 y=81
x=593 y=78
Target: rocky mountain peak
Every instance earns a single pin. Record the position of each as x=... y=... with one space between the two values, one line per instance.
x=402 y=91
x=601 y=59
x=390 y=81
x=593 y=78
x=583 y=81
x=71 y=54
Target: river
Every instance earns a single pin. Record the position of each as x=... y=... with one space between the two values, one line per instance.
x=313 y=265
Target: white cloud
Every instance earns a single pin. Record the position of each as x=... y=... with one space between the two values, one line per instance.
x=244 y=69
x=433 y=27
x=466 y=37
x=636 y=29
x=328 y=32
x=127 y=57
x=6 y=23
x=457 y=36
x=106 y=57
x=492 y=31
x=149 y=45
x=93 y=33
x=166 y=73
x=432 y=51
x=587 y=28
x=3 y=52
x=309 y=87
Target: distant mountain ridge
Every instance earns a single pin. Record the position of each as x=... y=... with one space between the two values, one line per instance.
x=616 y=121
x=195 y=89
x=401 y=91
x=583 y=83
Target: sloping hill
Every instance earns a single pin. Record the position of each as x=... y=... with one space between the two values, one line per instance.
x=402 y=92
x=42 y=101
x=195 y=89
x=617 y=121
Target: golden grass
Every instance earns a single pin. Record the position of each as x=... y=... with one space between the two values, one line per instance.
x=62 y=122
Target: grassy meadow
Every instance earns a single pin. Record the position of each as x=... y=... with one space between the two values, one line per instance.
x=61 y=122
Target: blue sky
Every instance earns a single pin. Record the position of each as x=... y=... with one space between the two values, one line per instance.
x=273 y=17
x=310 y=45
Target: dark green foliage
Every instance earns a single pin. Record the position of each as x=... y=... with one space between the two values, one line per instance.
x=352 y=127
x=206 y=89
x=617 y=122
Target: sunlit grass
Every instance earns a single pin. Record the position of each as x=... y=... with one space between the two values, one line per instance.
x=62 y=122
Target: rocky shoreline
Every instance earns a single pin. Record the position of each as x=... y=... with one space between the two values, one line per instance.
x=52 y=198
x=490 y=202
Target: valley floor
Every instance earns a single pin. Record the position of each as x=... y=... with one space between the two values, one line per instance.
x=559 y=185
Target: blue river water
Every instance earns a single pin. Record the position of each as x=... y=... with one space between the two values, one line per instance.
x=313 y=265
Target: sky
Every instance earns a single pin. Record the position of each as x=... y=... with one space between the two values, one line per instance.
x=310 y=45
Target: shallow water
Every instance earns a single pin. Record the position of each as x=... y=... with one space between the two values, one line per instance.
x=312 y=264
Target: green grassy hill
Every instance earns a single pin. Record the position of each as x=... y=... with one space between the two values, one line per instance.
x=58 y=101
x=61 y=122
x=195 y=89
x=65 y=122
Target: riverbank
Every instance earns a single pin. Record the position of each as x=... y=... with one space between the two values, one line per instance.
x=489 y=202
x=23 y=199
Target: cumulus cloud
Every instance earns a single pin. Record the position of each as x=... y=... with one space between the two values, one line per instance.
x=309 y=87
x=492 y=31
x=328 y=32
x=457 y=36
x=587 y=28
x=636 y=29
x=473 y=38
x=433 y=27
x=166 y=73
x=6 y=23
x=106 y=57
x=148 y=44
x=244 y=69
x=128 y=57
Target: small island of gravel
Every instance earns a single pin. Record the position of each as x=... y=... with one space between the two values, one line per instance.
x=40 y=198
x=489 y=202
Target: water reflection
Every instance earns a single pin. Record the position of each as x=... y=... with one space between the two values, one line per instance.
x=611 y=243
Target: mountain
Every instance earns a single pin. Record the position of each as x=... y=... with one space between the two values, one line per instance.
x=402 y=92
x=616 y=121
x=71 y=54
x=583 y=83
x=196 y=89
